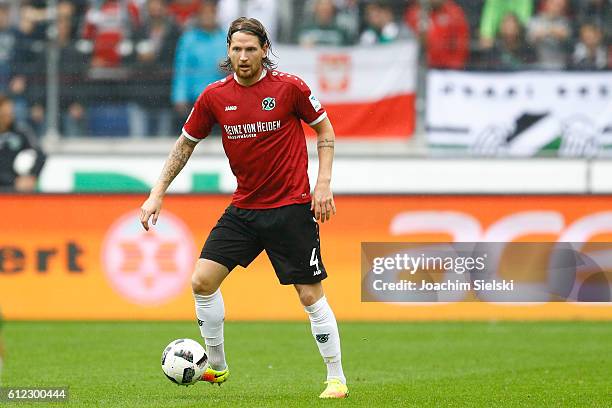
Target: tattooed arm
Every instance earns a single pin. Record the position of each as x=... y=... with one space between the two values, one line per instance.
x=181 y=152
x=322 y=198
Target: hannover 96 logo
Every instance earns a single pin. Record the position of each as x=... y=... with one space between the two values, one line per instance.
x=268 y=103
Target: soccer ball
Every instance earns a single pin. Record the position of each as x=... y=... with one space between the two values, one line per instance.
x=184 y=361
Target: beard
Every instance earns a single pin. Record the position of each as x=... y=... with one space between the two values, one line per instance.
x=249 y=73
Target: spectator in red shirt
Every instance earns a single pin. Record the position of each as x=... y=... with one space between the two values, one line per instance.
x=184 y=11
x=107 y=26
x=445 y=36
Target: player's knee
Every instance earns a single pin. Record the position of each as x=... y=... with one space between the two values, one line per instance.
x=308 y=297
x=309 y=294
x=203 y=285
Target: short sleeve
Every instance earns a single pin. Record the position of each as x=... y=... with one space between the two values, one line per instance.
x=308 y=107
x=200 y=120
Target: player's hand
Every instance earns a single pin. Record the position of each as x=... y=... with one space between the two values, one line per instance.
x=151 y=207
x=25 y=184
x=323 y=202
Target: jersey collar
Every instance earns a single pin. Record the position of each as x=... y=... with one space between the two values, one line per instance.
x=263 y=74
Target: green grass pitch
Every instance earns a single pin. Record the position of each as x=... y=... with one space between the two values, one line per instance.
x=454 y=364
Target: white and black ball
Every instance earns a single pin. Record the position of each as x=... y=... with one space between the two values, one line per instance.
x=184 y=361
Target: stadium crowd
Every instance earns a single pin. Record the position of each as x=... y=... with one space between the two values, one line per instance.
x=135 y=67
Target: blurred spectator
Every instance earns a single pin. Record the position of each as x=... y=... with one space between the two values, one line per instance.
x=550 y=33
x=590 y=53
x=446 y=36
x=75 y=10
x=35 y=13
x=108 y=31
x=155 y=45
x=107 y=26
x=21 y=160
x=183 y=10
x=265 y=11
x=29 y=74
x=348 y=18
x=598 y=12
x=473 y=13
x=9 y=36
x=493 y=13
x=198 y=54
x=510 y=50
x=381 y=26
x=323 y=28
x=72 y=68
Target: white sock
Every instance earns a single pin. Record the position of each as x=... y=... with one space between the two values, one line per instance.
x=325 y=331
x=216 y=357
x=210 y=311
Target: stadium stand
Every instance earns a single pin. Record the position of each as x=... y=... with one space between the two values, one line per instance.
x=118 y=58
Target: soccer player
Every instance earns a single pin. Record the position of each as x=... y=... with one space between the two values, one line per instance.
x=259 y=111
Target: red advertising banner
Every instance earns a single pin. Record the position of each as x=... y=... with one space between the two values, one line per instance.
x=87 y=257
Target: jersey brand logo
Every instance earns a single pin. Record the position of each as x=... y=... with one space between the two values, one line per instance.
x=316 y=105
x=268 y=103
x=231 y=108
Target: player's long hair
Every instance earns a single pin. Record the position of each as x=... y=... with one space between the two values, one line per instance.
x=254 y=27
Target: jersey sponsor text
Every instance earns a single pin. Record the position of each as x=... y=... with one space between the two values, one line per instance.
x=249 y=130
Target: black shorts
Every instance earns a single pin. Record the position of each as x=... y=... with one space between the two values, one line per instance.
x=290 y=236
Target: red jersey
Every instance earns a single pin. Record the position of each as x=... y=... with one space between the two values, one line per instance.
x=262 y=135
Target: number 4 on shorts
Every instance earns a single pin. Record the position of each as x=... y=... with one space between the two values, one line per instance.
x=314 y=261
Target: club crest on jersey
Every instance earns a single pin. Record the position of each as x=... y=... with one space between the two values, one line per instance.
x=268 y=104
